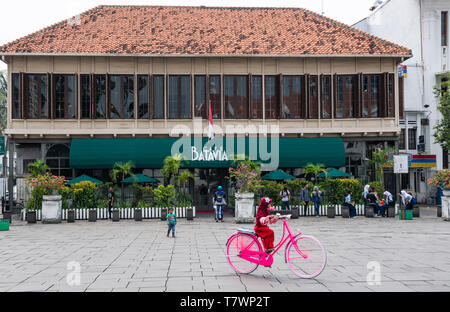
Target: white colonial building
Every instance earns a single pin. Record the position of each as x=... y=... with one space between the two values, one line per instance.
x=421 y=25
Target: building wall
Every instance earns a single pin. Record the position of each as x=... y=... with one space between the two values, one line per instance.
x=200 y=65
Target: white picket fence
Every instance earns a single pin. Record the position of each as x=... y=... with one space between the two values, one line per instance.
x=324 y=208
x=125 y=213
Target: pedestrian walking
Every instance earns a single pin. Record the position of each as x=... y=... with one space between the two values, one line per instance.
x=111 y=198
x=305 y=198
x=316 y=199
x=220 y=202
x=171 y=222
x=350 y=204
x=285 y=198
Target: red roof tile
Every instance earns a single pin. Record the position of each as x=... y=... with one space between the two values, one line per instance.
x=155 y=30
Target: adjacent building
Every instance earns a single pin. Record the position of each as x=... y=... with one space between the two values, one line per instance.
x=421 y=25
x=120 y=83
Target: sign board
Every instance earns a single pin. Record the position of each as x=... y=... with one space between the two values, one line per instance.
x=401 y=163
x=2 y=145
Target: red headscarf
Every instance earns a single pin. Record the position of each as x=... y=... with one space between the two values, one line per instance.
x=263 y=209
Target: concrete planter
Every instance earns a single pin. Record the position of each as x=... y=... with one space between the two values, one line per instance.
x=190 y=214
x=245 y=210
x=439 y=211
x=416 y=212
x=295 y=212
x=116 y=215
x=163 y=214
x=7 y=216
x=138 y=215
x=331 y=211
x=345 y=212
x=70 y=216
x=51 y=209
x=370 y=211
x=31 y=217
x=391 y=212
x=92 y=215
x=446 y=205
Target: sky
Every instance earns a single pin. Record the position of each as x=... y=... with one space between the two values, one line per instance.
x=19 y=18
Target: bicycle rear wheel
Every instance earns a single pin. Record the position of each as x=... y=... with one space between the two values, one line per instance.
x=312 y=260
x=238 y=243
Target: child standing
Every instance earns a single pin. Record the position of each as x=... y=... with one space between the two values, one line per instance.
x=263 y=217
x=171 y=221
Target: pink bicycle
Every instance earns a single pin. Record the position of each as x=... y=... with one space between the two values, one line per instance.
x=305 y=254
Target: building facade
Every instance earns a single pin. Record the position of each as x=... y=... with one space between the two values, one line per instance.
x=120 y=83
x=422 y=25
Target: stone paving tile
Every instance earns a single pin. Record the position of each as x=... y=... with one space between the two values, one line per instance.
x=413 y=256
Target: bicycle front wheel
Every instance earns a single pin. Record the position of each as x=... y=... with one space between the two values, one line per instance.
x=238 y=243
x=310 y=258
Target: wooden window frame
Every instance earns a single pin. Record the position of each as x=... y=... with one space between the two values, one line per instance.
x=179 y=97
x=205 y=94
x=16 y=98
x=235 y=88
x=322 y=96
x=123 y=78
x=253 y=101
x=355 y=94
x=26 y=96
x=153 y=102
x=66 y=98
x=312 y=99
x=277 y=96
x=138 y=115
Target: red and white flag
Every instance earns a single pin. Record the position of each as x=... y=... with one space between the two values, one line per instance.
x=211 y=127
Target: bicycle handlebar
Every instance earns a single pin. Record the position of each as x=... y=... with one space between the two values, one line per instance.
x=287 y=217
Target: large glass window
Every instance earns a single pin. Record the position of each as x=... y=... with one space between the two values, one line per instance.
x=271 y=95
x=179 y=97
x=325 y=97
x=313 y=98
x=256 y=109
x=412 y=139
x=236 y=97
x=346 y=95
x=201 y=107
x=401 y=143
x=293 y=107
x=401 y=98
x=57 y=159
x=444 y=28
x=371 y=98
x=390 y=111
x=121 y=97
x=85 y=81
x=64 y=93
x=158 y=97
x=36 y=96
x=215 y=96
x=16 y=105
x=143 y=96
x=100 y=96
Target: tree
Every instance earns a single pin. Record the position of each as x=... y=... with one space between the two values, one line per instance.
x=381 y=158
x=170 y=169
x=442 y=129
x=3 y=101
x=122 y=170
x=183 y=178
x=315 y=170
x=37 y=168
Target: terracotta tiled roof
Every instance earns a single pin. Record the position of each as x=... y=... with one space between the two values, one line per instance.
x=155 y=30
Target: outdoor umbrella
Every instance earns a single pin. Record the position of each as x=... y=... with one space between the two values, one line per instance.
x=84 y=178
x=140 y=178
x=334 y=173
x=278 y=175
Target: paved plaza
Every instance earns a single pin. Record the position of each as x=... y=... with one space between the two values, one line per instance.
x=137 y=256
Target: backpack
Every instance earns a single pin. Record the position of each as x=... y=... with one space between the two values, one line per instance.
x=219 y=197
x=413 y=201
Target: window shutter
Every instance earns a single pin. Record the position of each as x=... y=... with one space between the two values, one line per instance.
x=334 y=94
x=305 y=98
x=358 y=104
x=279 y=86
x=249 y=100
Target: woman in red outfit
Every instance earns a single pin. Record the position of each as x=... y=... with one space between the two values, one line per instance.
x=263 y=217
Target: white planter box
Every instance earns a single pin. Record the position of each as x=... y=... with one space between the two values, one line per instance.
x=51 y=209
x=244 y=210
x=446 y=205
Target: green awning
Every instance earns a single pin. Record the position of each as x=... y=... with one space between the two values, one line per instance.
x=334 y=173
x=278 y=175
x=148 y=153
x=140 y=178
x=84 y=178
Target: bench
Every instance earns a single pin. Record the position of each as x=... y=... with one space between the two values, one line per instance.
x=370 y=210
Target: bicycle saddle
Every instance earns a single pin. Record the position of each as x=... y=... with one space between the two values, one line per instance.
x=246 y=231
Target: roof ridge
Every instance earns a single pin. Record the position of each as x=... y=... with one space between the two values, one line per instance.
x=42 y=30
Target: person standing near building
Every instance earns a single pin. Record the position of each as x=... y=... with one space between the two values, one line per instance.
x=171 y=222
x=111 y=199
x=364 y=196
x=316 y=199
x=220 y=202
x=285 y=198
x=305 y=198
